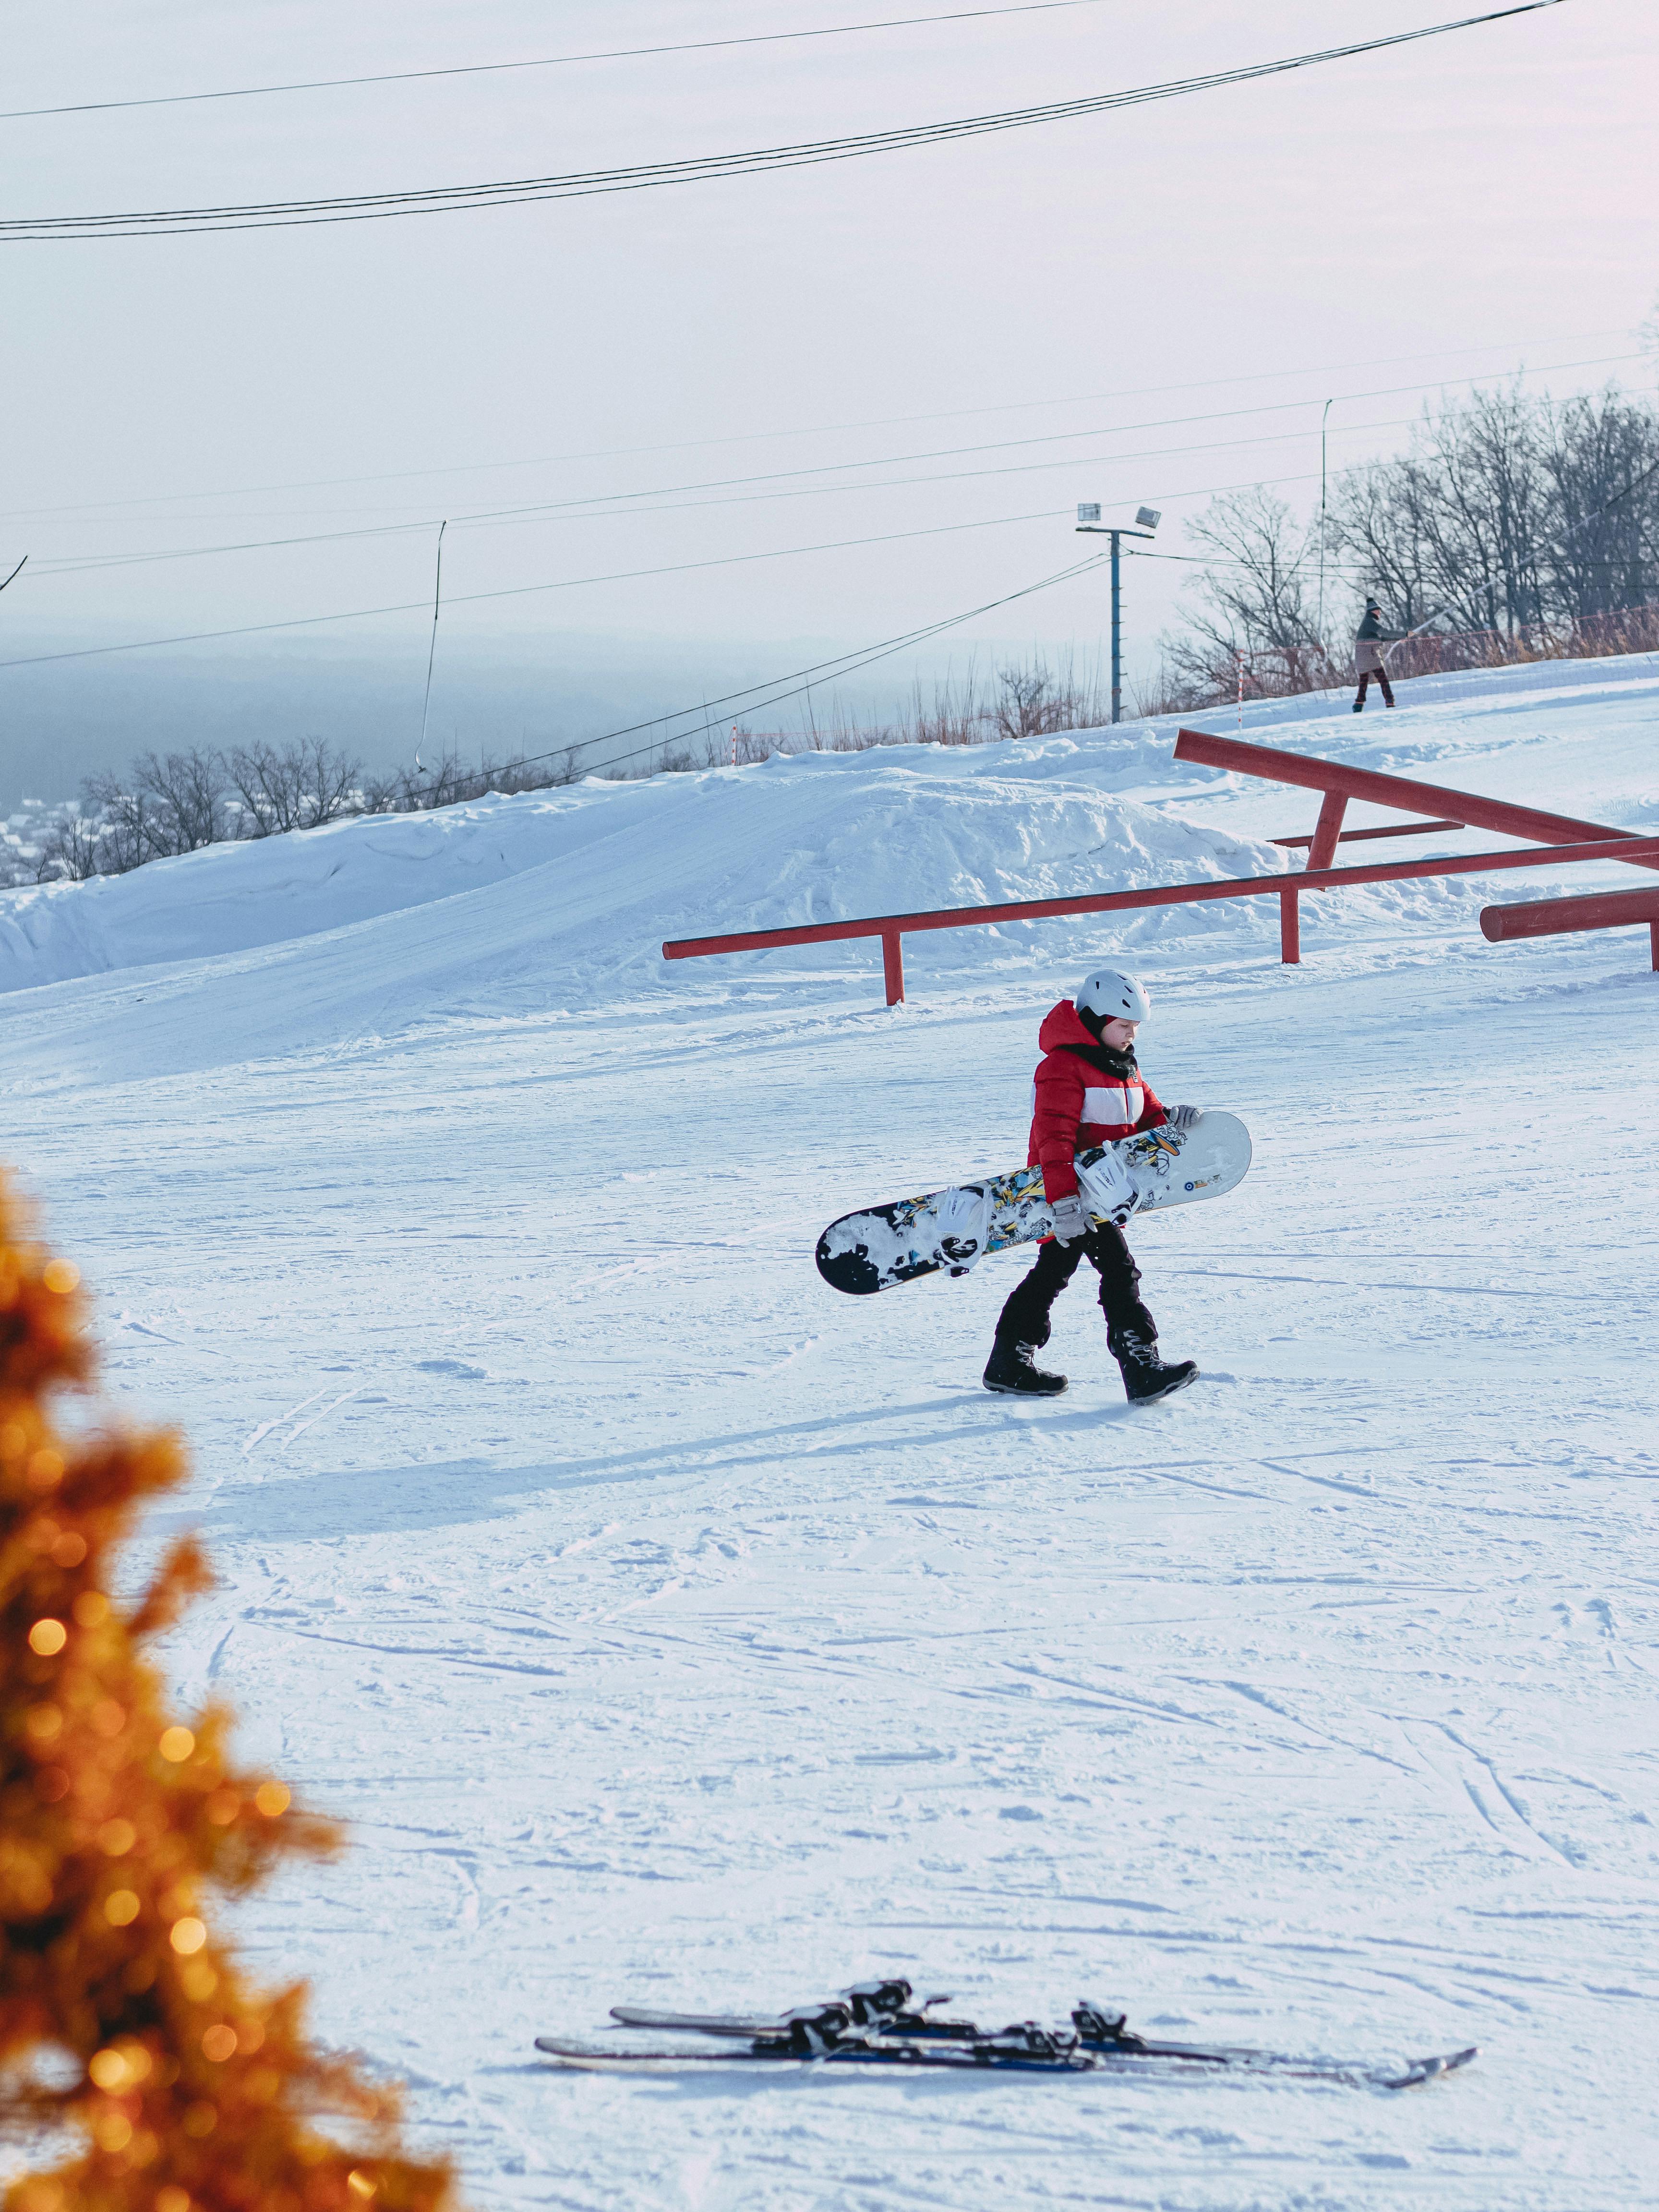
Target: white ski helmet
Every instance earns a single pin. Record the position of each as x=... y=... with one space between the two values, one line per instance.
x=1112 y=996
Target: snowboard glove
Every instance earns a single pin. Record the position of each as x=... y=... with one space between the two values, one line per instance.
x=1182 y=1117
x=1108 y=1187
x=1071 y=1222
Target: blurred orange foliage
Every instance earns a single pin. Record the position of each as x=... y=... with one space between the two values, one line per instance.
x=121 y=2015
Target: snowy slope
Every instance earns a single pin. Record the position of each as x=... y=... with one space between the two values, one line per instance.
x=669 y=1627
x=791 y=840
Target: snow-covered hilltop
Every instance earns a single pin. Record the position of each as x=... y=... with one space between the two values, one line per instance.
x=563 y=899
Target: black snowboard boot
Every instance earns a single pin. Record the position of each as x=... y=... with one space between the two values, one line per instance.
x=1145 y=1375
x=1012 y=1368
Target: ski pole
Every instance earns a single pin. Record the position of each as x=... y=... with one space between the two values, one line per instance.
x=1410 y=634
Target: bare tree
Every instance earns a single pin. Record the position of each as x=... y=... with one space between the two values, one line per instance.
x=166 y=806
x=1601 y=457
x=1019 y=710
x=125 y=828
x=1381 y=523
x=304 y=784
x=552 y=773
x=69 y=850
x=450 y=781
x=1514 y=527
x=1512 y=516
x=1487 y=511
x=1249 y=605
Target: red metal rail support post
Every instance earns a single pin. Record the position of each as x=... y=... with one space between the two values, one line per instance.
x=1321 y=851
x=1560 y=916
x=1328 y=829
x=892 y=966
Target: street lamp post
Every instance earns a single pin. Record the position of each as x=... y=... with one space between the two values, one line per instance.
x=1323 y=420
x=1089 y=525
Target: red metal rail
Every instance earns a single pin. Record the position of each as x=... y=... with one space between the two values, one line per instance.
x=1364 y=836
x=1591 y=841
x=892 y=927
x=1340 y=784
x=1556 y=917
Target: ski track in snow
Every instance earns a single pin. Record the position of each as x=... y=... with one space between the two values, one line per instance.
x=668 y=1628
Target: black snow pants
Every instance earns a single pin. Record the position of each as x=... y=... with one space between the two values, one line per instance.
x=1382 y=676
x=1025 y=1317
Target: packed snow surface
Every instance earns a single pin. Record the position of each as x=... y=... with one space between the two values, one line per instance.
x=671 y=1629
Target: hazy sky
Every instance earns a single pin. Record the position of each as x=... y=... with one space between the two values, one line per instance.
x=1124 y=289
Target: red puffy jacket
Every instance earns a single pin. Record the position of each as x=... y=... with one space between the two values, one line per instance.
x=1077 y=1102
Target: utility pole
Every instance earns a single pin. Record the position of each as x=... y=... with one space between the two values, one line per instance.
x=1323 y=420
x=1089 y=525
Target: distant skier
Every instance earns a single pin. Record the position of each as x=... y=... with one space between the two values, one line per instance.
x=1089 y=1090
x=1369 y=641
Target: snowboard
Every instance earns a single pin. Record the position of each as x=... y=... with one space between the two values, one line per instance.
x=950 y=1229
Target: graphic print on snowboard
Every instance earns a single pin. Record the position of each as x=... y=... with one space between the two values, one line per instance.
x=952 y=1229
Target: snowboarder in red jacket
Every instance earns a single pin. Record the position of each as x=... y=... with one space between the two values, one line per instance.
x=1089 y=1090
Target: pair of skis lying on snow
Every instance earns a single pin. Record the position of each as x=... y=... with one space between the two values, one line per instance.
x=877 y=2024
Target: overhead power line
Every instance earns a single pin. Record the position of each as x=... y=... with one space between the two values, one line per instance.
x=364 y=207
x=1595 y=515
x=615 y=576
x=680 y=568
x=828 y=429
x=804 y=680
x=607 y=506
x=801 y=679
x=522 y=591
x=545 y=61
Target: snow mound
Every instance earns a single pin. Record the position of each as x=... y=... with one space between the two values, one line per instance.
x=586 y=883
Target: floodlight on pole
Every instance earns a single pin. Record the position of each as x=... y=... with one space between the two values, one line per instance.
x=1146 y=521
